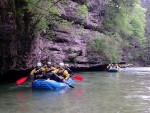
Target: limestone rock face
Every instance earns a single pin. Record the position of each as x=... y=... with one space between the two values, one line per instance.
x=70 y=47
x=19 y=50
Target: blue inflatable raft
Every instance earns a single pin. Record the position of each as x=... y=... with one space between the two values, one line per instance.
x=51 y=84
x=113 y=70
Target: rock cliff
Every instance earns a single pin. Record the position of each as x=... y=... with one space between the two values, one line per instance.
x=71 y=43
x=21 y=51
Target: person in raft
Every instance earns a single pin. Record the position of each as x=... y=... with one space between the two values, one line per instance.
x=38 y=71
x=48 y=72
x=62 y=72
x=49 y=68
x=116 y=66
x=109 y=66
x=67 y=67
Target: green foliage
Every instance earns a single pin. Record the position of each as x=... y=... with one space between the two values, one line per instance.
x=136 y=55
x=44 y=13
x=42 y=24
x=20 y=13
x=117 y=18
x=130 y=57
x=126 y=18
x=82 y=11
x=53 y=9
x=138 y=22
x=105 y=47
x=65 y=24
x=111 y=51
x=98 y=44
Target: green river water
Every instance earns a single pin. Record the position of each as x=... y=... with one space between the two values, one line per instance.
x=127 y=91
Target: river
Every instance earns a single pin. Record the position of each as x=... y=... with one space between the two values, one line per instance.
x=127 y=91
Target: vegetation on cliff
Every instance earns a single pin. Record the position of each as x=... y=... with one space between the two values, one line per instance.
x=126 y=20
x=121 y=22
x=123 y=25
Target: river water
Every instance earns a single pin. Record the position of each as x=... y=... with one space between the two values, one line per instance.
x=127 y=91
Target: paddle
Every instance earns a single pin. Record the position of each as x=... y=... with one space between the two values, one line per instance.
x=21 y=80
x=64 y=82
x=69 y=85
x=78 y=77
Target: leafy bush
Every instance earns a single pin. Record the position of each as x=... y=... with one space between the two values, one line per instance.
x=82 y=11
x=126 y=18
x=106 y=48
x=138 y=22
x=44 y=13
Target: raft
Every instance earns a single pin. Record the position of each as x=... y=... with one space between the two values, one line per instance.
x=51 y=84
x=113 y=70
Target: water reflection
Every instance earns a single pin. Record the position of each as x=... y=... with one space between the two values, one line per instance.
x=21 y=97
x=114 y=75
x=48 y=93
x=78 y=93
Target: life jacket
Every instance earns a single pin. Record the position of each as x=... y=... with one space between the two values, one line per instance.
x=49 y=69
x=39 y=71
x=61 y=72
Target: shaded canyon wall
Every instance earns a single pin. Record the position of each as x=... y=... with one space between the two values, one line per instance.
x=20 y=50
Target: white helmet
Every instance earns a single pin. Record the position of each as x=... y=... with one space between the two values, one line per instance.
x=61 y=64
x=49 y=63
x=67 y=65
x=39 y=64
